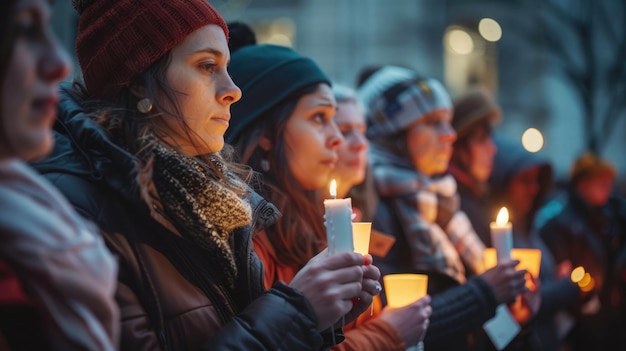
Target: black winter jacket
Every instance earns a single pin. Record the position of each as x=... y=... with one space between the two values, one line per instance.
x=459 y=311
x=163 y=294
x=594 y=238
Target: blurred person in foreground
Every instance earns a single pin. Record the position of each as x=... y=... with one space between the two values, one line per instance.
x=57 y=279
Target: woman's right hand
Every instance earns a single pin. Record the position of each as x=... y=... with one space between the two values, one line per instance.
x=505 y=281
x=330 y=283
x=527 y=305
x=411 y=320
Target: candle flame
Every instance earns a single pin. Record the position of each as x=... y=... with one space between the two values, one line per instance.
x=333 y=189
x=503 y=217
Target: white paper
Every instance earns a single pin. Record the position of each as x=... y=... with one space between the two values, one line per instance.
x=502 y=328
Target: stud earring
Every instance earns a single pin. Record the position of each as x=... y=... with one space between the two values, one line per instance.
x=265 y=165
x=144 y=105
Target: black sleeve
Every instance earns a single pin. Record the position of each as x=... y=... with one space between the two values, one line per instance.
x=281 y=319
x=460 y=310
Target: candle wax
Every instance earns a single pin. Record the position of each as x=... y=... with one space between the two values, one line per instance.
x=338 y=221
x=502 y=239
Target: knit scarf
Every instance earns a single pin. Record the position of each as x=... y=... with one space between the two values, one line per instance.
x=421 y=201
x=200 y=205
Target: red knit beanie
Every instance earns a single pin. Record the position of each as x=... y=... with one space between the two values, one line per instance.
x=119 y=39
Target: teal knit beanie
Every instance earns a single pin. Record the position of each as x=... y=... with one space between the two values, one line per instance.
x=266 y=75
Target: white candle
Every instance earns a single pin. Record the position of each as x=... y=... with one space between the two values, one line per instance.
x=338 y=221
x=502 y=234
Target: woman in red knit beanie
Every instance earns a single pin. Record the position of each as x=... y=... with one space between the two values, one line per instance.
x=140 y=152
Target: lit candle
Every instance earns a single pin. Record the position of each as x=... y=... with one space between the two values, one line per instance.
x=529 y=259
x=338 y=221
x=404 y=288
x=490 y=259
x=361 y=232
x=502 y=234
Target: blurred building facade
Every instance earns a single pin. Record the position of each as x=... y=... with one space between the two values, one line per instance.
x=559 y=67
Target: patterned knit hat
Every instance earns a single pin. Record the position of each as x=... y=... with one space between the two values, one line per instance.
x=266 y=75
x=474 y=106
x=119 y=39
x=395 y=97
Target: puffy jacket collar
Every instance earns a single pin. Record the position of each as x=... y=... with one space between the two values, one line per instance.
x=82 y=148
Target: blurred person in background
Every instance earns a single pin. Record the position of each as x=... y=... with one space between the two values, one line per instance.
x=57 y=278
x=590 y=231
x=352 y=166
x=475 y=114
x=521 y=181
x=354 y=180
x=408 y=125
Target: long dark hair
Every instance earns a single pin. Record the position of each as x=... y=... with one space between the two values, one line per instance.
x=139 y=133
x=7 y=42
x=300 y=233
x=460 y=165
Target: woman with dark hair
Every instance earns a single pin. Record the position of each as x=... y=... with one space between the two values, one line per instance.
x=141 y=152
x=284 y=129
x=57 y=278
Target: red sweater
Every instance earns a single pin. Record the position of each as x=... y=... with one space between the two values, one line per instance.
x=367 y=333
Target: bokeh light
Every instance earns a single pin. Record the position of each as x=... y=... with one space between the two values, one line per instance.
x=577 y=274
x=459 y=41
x=589 y=286
x=490 y=29
x=585 y=281
x=280 y=39
x=280 y=31
x=532 y=140
x=284 y=26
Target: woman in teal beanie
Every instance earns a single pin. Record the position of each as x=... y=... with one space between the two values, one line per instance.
x=284 y=128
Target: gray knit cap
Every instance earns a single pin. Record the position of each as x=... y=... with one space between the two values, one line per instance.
x=395 y=97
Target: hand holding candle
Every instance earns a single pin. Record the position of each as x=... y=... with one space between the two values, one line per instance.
x=529 y=260
x=338 y=221
x=502 y=328
x=404 y=289
x=502 y=234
